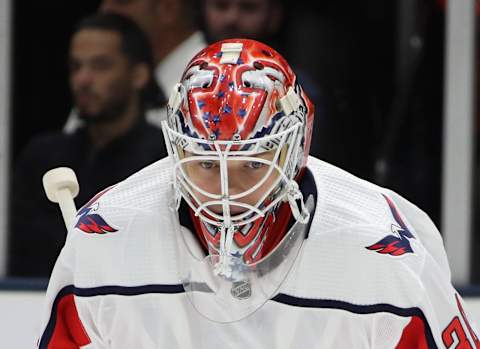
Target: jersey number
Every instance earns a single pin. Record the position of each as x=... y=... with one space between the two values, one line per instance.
x=455 y=327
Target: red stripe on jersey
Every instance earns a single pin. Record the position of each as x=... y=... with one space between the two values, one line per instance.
x=413 y=336
x=465 y=320
x=69 y=332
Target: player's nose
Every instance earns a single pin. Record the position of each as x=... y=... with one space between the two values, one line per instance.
x=230 y=15
x=82 y=77
x=236 y=183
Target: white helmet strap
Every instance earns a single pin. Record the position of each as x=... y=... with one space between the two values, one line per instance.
x=231 y=52
x=290 y=102
x=294 y=195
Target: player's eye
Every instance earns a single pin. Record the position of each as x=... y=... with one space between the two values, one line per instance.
x=74 y=66
x=101 y=63
x=255 y=165
x=207 y=164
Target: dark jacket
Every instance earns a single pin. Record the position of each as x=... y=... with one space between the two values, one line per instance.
x=37 y=231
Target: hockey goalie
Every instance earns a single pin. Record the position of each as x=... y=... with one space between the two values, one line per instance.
x=239 y=239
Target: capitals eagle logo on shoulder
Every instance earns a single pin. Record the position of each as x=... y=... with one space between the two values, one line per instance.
x=397 y=244
x=90 y=222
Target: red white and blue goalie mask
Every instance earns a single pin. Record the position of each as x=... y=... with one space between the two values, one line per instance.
x=237 y=99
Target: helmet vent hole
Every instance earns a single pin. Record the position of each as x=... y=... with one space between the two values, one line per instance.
x=267 y=53
x=258 y=65
x=278 y=105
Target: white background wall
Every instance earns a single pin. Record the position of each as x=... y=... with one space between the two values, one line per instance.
x=20 y=317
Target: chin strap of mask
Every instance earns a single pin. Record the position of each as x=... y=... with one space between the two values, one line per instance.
x=224 y=266
x=294 y=196
x=177 y=198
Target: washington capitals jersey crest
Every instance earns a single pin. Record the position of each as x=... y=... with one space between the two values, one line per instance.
x=398 y=243
x=91 y=222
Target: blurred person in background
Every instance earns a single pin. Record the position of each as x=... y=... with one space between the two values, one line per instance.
x=111 y=78
x=253 y=19
x=170 y=26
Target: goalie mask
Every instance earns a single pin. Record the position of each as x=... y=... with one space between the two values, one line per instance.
x=239 y=130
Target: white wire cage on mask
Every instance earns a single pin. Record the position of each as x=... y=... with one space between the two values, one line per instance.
x=285 y=151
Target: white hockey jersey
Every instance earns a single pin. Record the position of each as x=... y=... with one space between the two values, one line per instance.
x=372 y=273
